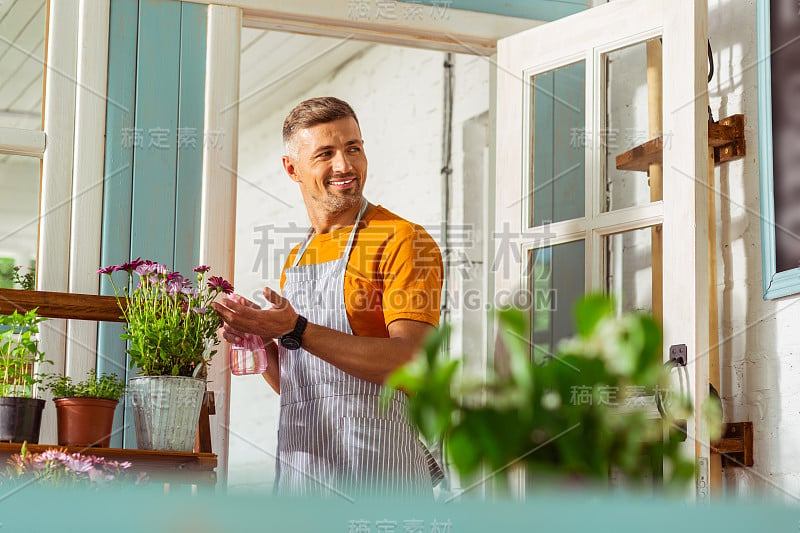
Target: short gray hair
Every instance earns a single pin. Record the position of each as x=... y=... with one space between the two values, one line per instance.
x=311 y=112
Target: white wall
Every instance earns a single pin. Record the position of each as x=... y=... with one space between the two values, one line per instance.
x=397 y=95
x=760 y=340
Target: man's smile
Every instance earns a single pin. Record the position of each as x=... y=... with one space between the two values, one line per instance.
x=342 y=182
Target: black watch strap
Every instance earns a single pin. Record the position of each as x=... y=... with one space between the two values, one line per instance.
x=294 y=339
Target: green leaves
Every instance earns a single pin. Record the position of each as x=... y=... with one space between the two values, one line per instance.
x=19 y=353
x=571 y=413
x=108 y=386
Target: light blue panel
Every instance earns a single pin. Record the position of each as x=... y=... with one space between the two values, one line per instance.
x=155 y=158
x=559 y=140
x=776 y=284
x=543 y=127
x=558 y=275
x=191 y=107
x=569 y=161
x=117 y=190
x=547 y=10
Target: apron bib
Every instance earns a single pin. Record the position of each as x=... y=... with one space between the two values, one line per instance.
x=333 y=437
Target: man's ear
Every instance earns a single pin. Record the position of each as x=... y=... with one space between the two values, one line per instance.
x=288 y=166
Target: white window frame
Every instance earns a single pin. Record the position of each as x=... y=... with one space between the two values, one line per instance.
x=683 y=212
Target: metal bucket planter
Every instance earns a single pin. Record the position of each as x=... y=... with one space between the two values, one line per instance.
x=166 y=410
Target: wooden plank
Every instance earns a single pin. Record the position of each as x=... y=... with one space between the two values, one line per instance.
x=217 y=218
x=61 y=304
x=459 y=40
x=727 y=137
x=161 y=466
x=118 y=173
x=22 y=142
x=56 y=190
x=642 y=157
x=655 y=172
x=87 y=178
x=191 y=106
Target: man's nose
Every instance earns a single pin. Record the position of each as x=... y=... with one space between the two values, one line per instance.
x=341 y=163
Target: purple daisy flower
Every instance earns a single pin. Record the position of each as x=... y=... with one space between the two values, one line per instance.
x=146 y=269
x=202 y=268
x=130 y=266
x=108 y=269
x=220 y=285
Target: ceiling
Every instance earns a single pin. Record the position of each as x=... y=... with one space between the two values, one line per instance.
x=276 y=67
x=22 y=33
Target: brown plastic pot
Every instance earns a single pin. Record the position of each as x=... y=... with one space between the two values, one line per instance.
x=85 y=421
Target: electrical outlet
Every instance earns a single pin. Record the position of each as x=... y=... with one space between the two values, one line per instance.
x=678 y=353
x=702 y=480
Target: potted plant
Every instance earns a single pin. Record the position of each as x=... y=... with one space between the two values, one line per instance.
x=20 y=411
x=171 y=329
x=568 y=418
x=85 y=410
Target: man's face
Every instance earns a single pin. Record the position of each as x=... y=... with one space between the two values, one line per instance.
x=330 y=166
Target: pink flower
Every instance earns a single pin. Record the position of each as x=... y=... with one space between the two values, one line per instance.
x=202 y=268
x=220 y=285
x=108 y=269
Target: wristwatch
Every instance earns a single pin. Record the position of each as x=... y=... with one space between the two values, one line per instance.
x=294 y=339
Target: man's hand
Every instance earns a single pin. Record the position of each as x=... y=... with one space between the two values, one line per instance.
x=243 y=316
x=246 y=317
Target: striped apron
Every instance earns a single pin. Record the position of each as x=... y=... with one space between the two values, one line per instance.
x=333 y=437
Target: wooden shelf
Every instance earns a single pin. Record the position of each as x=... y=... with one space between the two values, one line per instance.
x=160 y=466
x=726 y=137
x=61 y=305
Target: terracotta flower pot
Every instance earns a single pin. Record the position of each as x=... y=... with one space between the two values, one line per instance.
x=85 y=421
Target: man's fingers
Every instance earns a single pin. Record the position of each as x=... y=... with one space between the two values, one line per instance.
x=273 y=297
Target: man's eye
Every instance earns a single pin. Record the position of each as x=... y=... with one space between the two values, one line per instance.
x=355 y=149
x=324 y=154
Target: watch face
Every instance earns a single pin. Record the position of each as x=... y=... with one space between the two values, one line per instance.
x=290 y=343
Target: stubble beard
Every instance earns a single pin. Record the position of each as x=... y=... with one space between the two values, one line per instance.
x=336 y=203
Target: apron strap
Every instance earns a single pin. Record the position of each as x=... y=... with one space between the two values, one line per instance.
x=346 y=255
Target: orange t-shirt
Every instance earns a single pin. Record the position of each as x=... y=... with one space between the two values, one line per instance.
x=394 y=271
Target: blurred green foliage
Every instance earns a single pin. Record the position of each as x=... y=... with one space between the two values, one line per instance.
x=560 y=416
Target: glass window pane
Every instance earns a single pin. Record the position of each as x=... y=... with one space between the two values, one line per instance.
x=557 y=279
x=629 y=269
x=627 y=121
x=19 y=215
x=558 y=145
x=22 y=36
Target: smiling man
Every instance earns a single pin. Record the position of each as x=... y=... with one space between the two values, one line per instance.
x=359 y=296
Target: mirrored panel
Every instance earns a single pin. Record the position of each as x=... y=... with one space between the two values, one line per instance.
x=22 y=39
x=558 y=145
x=631 y=116
x=557 y=280
x=19 y=216
x=628 y=269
